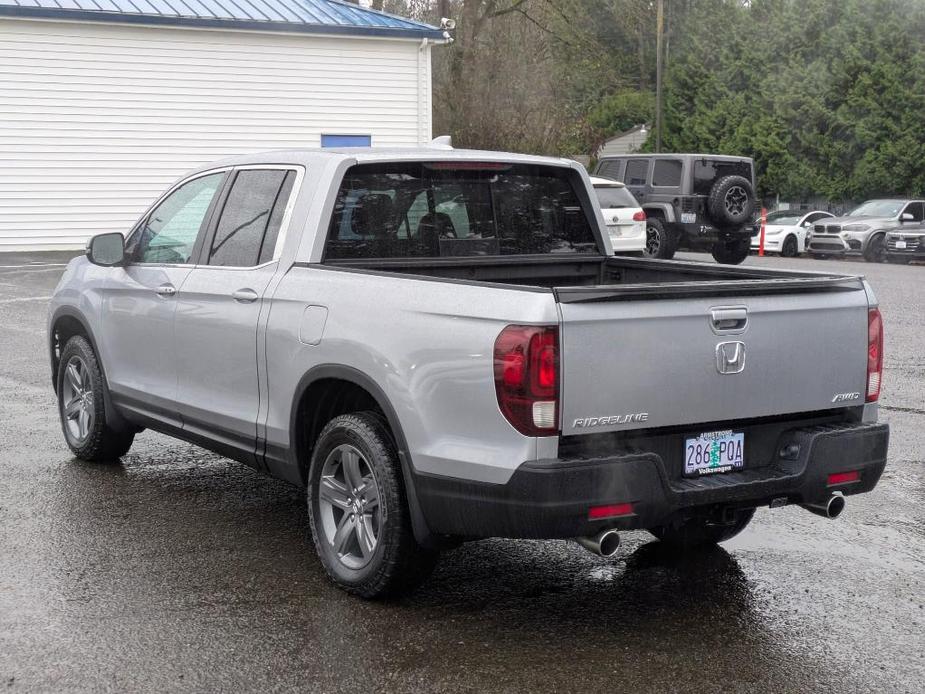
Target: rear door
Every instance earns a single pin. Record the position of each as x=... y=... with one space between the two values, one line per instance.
x=219 y=305
x=639 y=364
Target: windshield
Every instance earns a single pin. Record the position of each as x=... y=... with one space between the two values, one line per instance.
x=613 y=197
x=784 y=219
x=398 y=210
x=878 y=208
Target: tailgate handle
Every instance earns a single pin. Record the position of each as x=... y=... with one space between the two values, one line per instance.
x=729 y=320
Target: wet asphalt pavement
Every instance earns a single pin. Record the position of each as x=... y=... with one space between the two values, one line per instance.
x=179 y=570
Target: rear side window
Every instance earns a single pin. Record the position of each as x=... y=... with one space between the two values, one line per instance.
x=667 y=173
x=636 y=172
x=612 y=197
x=250 y=220
x=405 y=210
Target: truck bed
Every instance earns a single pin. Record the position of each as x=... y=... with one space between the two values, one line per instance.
x=596 y=278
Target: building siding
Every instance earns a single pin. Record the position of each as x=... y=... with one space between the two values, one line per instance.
x=97 y=120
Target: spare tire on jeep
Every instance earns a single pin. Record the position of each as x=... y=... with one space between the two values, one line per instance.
x=731 y=201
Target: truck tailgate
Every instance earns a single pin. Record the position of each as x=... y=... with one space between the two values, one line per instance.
x=634 y=364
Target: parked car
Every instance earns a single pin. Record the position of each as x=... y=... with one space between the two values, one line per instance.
x=429 y=378
x=906 y=245
x=785 y=231
x=863 y=231
x=625 y=220
x=692 y=201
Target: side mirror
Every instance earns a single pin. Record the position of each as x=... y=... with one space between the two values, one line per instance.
x=906 y=217
x=107 y=250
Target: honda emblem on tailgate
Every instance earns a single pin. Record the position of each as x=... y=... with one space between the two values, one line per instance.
x=730 y=357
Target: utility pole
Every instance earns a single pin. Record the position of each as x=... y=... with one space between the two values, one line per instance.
x=659 y=32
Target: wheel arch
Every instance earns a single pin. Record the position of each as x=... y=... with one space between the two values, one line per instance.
x=329 y=390
x=659 y=210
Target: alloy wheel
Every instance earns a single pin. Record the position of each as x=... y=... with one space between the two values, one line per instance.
x=77 y=398
x=653 y=241
x=735 y=201
x=348 y=497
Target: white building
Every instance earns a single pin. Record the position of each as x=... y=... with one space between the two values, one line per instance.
x=626 y=142
x=103 y=103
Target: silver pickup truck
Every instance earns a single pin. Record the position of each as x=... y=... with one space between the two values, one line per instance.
x=439 y=346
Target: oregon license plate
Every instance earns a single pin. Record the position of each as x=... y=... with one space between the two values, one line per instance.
x=713 y=452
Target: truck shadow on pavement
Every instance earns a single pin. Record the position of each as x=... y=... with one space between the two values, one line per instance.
x=188 y=557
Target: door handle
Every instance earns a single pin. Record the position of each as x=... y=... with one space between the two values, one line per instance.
x=166 y=290
x=245 y=296
x=729 y=320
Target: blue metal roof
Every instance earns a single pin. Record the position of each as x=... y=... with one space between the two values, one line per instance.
x=302 y=16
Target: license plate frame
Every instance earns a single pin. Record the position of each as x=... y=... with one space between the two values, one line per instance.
x=714 y=452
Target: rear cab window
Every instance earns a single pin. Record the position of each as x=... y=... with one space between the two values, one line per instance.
x=450 y=209
x=708 y=171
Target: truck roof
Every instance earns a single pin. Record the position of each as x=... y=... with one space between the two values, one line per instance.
x=308 y=156
x=672 y=155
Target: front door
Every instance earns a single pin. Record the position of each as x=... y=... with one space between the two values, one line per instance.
x=219 y=305
x=140 y=299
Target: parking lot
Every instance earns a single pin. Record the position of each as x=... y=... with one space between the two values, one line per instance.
x=179 y=570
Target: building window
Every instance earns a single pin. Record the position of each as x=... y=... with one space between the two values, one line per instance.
x=346 y=140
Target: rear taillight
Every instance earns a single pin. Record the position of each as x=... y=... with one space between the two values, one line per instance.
x=874 y=354
x=527 y=378
x=639 y=216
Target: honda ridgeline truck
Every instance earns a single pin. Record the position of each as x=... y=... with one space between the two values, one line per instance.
x=438 y=346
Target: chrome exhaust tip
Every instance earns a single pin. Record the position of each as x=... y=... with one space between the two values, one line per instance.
x=604 y=544
x=830 y=509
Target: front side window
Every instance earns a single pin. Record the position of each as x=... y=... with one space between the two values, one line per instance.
x=168 y=234
x=917 y=210
x=396 y=210
x=636 y=172
x=251 y=216
x=610 y=168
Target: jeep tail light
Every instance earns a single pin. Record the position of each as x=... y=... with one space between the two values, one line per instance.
x=526 y=363
x=874 y=354
x=639 y=216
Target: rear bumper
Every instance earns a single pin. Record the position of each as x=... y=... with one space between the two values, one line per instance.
x=551 y=498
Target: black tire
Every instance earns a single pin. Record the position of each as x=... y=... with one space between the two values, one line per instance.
x=81 y=406
x=696 y=533
x=731 y=252
x=731 y=201
x=396 y=564
x=659 y=241
x=790 y=247
x=876 y=249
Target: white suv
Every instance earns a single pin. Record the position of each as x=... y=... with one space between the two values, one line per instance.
x=626 y=222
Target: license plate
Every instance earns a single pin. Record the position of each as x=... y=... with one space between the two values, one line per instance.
x=615 y=232
x=900 y=244
x=688 y=217
x=713 y=452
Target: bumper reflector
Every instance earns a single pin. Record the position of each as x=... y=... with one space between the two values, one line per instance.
x=609 y=511
x=844 y=477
